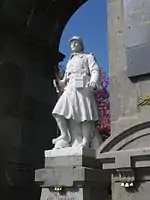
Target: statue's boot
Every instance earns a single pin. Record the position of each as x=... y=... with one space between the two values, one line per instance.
x=61 y=144
x=63 y=126
x=61 y=137
x=75 y=133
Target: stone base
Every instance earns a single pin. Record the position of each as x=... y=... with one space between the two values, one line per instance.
x=85 y=193
x=71 y=157
x=75 y=172
x=70 y=151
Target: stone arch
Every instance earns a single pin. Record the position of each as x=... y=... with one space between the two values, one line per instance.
x=136 y=136
x=30 y=37
x=66 y=15
x=29 y=50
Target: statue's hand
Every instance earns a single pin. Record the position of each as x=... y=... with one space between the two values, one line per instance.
x=59 y=85
x=62 y=83
x=92 y=86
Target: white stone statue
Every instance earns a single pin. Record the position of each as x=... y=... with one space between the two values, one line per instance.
x=76 y=111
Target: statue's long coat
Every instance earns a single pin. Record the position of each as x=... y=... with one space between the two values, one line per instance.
x=79 y=103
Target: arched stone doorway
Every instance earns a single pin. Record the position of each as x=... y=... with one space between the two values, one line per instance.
x=29 y=50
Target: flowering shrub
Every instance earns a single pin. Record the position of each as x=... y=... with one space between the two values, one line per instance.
x=104 y=107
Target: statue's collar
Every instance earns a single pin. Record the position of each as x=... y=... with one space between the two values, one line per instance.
x=77 y=54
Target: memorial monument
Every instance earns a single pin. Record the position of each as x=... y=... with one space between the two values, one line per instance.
x=122 y=161
x=71 y=167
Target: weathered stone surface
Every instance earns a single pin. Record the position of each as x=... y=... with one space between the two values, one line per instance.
x=68 y=151
x=71 y=157
x=136 y=23
x=136 y=158
x=123 y=97
x=68 y=176
x=77 y=183
x=123 y=93
x=65 y=168
x=140 y=193
x=85 y=193
x=117 y=59
x=77 y=160
x=126 y=153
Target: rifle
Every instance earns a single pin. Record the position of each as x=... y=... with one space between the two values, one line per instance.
x=56 y=81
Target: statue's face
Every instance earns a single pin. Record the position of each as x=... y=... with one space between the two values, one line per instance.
x=75 y=46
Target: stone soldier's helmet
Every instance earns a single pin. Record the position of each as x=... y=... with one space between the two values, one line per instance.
x=78 y=39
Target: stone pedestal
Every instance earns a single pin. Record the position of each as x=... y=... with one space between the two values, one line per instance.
x=130 y=173
x=72 y=174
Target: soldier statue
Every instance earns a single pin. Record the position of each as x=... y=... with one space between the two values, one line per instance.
x=76 y=111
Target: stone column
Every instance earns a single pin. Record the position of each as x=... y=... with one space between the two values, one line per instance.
x=27 y=97
x=129 y=44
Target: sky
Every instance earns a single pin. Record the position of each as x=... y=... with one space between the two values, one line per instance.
x=90 y=23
